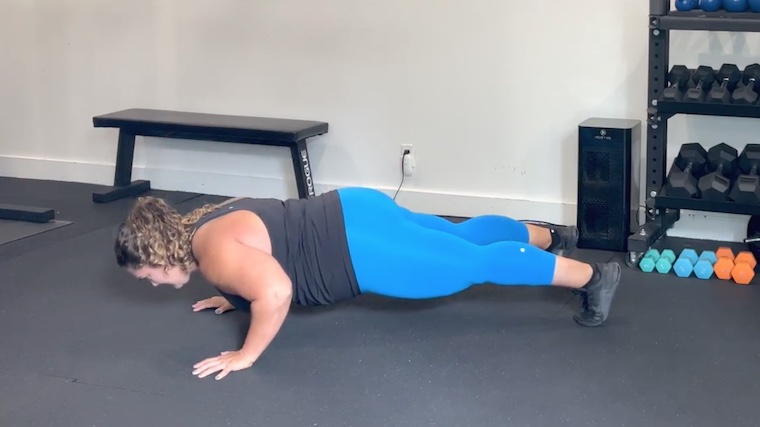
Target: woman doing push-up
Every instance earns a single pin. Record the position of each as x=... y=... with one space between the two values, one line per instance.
x=264 y=254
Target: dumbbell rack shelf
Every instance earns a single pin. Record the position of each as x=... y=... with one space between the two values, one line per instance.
x=662 y=201
x=699 y=20
x=671 y=108
x=662 y=212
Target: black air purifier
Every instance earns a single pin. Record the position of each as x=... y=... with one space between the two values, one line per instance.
x=608 y=182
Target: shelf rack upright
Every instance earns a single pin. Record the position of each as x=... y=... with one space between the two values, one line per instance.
x=662 y=211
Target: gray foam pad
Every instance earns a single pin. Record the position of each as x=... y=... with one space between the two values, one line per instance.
x=16 y=230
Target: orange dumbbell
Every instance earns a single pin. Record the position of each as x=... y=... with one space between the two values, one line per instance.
x=725 y=263
x=744 y=268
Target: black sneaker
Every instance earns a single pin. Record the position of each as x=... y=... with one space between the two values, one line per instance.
x=596 y=297
x=567 y=237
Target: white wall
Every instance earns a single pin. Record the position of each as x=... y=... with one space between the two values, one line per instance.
x=493 y=119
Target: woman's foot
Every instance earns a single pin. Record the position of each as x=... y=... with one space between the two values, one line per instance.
x=596 y=296
x=564 y=238
x=567 y=240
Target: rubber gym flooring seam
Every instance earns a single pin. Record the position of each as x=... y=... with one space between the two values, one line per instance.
x=83 y=344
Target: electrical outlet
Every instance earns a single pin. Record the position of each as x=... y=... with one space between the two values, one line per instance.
x=407 y=159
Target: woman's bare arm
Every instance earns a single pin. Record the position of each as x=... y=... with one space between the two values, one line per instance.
x=265 y=284
x=257 y=277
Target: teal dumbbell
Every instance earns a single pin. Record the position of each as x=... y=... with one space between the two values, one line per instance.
x=703 y=269
x=665 y=262
x=649 y=260
x=685 y=263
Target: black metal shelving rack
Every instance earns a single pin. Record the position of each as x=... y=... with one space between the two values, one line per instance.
x=662 y=211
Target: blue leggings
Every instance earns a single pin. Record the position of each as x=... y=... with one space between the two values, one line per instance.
x=399 y=253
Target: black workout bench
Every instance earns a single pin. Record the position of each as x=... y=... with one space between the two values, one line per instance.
x=205 y=127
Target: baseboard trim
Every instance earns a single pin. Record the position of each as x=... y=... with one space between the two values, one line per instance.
x=699 y=225
x=217 y=183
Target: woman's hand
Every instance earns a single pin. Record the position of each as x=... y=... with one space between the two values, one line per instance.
x=226 y=362
x=219 y=303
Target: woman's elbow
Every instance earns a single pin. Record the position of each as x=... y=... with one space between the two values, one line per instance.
x=273 y=298
x=281 y=293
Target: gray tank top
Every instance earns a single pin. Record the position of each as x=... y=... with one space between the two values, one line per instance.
x=309 y=242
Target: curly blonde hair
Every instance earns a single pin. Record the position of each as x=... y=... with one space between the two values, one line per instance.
x=156 y=235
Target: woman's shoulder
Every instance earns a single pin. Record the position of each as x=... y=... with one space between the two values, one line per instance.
x=241 y=226
x=232 y=249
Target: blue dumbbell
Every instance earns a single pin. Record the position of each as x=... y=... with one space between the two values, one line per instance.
x=685 y=263
x=735 y=5
x=684 y=5
x=703 y=269
x=649 y=260
x=665 y=262
x=687 y=5
x=710 y=5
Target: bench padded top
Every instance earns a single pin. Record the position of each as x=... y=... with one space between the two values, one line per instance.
x=220 y=127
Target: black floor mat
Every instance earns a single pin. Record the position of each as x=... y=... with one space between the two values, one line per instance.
x=85 y=344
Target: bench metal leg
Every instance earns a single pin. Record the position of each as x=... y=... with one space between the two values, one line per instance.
x=122 y=181
x=26 y=213
x=302 y=168
x=125 y=154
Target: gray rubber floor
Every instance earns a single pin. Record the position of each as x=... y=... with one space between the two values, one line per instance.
x=85 y=345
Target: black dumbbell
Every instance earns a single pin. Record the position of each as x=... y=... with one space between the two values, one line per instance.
x=747 y=95
x=703 y=78
x=678 y=79
x=747 y=186
x=721 y=163
x=729 y=76
x=689 y=164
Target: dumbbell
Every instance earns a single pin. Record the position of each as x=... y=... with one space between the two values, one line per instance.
x=721 y=162
x=685 y=263
x=735 y=5
x=740 y=268
x=690 y=164
x=744 y=268
x=665 y=262
x=746 y=94
x=678 y=79
x=649 y=260
x=729 y=76
x=653 y=259
x=703 y=269
x=687 y=5
x=710 y=5
x=724 y=264
x=703 y=78
x=747 y=186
